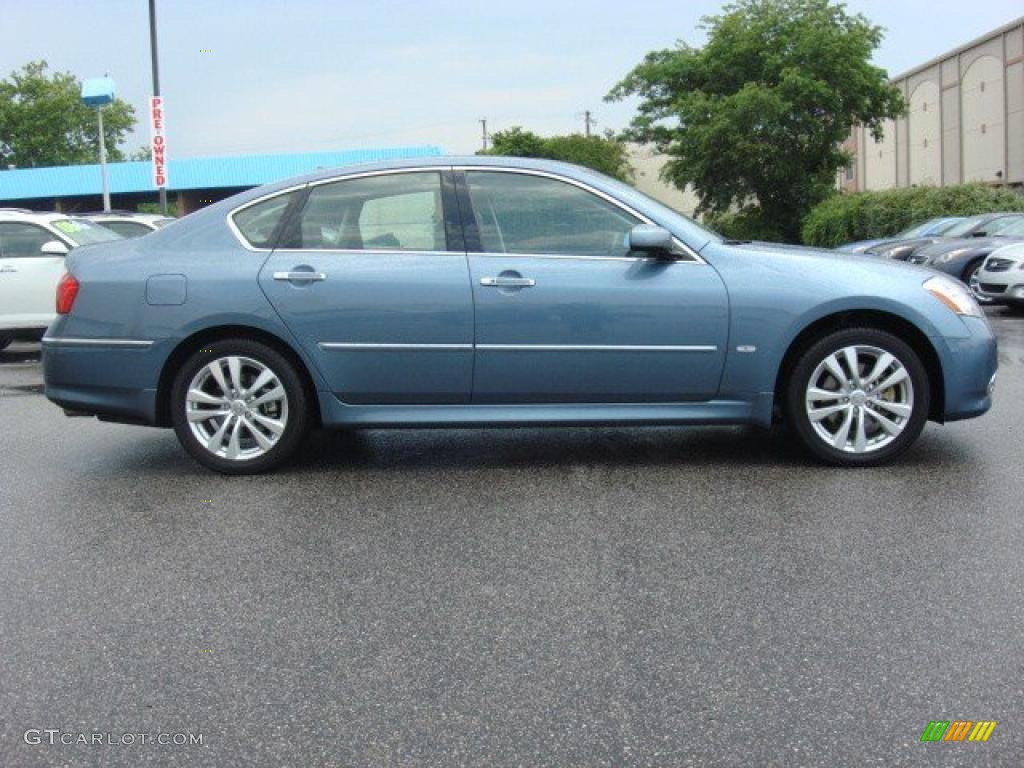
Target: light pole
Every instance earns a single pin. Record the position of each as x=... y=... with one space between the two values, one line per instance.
x=157 y=101
x=98 y=92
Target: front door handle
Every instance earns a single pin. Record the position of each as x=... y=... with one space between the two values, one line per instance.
x=507 y=282
x=306 y=276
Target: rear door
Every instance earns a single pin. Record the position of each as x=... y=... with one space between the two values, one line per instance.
x=28 y=277
x=371 y=276
x=565 y=313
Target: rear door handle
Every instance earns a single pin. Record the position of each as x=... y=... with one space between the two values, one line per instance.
x=8 y=268
x=508 y=282
x=307 y=276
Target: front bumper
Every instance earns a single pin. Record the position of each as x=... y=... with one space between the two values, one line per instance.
x=1005 y=287
x=969 y=369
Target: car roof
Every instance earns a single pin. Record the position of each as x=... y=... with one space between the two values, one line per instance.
x=23 y=214
x=443 y=161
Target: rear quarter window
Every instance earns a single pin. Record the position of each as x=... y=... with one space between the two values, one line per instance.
x=258 y=223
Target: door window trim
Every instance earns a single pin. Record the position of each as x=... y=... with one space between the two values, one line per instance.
x=691 y=256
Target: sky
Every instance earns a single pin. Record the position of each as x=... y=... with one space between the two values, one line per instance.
x=247 y=76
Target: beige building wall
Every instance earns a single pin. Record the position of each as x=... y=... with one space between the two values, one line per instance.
x=647 y=165
x=965 y=121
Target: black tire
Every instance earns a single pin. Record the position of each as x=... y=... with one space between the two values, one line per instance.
x=5 y=342
x=796 y=393
x=295 y=407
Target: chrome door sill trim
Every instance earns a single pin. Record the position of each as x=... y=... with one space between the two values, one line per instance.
x=596 y=348
x=367 y=345
x=79 y=342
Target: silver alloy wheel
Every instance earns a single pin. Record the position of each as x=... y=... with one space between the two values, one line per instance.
x=236 y=407
x=859 y=399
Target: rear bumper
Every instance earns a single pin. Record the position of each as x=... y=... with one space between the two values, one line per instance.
x=112 y=381
x=969 y=369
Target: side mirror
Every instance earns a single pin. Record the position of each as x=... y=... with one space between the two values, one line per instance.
x=54 y=248
x=651 y=239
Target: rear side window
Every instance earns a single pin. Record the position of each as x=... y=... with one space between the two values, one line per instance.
x=392 y=212
x=258 y=223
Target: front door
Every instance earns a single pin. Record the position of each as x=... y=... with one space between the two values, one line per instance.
x=373 y=281
x=565 y=313
x=28 y=277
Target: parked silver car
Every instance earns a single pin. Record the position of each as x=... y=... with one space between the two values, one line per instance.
x=1001 y=277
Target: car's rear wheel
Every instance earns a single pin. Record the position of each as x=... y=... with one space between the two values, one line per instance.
x=239 y=407
x=970 y=277
x=858 y=397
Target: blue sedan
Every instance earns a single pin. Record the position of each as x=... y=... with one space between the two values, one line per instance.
x=496 y=291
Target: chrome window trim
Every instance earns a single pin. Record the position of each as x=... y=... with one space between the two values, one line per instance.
x=692 y=256
x=365 y=251
x=71 y=341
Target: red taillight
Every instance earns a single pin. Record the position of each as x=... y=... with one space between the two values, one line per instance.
x=67 y=290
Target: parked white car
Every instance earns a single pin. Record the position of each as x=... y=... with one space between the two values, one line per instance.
x=128 y=224
x=1001 y=277
x=32 y=250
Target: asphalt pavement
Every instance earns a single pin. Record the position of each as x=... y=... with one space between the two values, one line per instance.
x=527 y=597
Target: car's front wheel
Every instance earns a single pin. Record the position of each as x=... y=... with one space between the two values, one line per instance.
x=858 y=397
x=239 y=407
x=5 y=342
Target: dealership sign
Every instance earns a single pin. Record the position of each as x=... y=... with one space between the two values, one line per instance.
x=157 y=141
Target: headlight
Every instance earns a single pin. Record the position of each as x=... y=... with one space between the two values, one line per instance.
x=954 y=295
x=949 y=256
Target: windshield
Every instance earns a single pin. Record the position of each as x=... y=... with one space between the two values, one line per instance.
x=925 y=228
x=82 y=232
x=1015 y=228
x=965 y=226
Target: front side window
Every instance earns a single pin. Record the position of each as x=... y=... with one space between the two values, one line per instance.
x=258 y=222
x=19 y=240
x=526 y=214
x=392 y=212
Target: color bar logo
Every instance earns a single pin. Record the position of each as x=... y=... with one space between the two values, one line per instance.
x=958 y=730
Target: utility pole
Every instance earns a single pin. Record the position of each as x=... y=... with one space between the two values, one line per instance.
x=103 y=161
x=156 y=84
x=483 y=125
x=587 y=122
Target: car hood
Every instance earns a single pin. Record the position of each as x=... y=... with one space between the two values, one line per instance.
x=963 y=244
x=816 y=258
x=914 y=242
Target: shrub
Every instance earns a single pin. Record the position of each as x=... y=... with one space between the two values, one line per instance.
x=867 y=215
x=746 y=224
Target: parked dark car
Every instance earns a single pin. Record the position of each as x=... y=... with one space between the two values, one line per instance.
x=981 y=225
x=963 y=257
x=931 y=228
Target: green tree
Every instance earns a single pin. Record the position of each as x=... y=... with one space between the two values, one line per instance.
x=754 y=119
x=43 y=121
x=601 y=153
x=142 y=153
